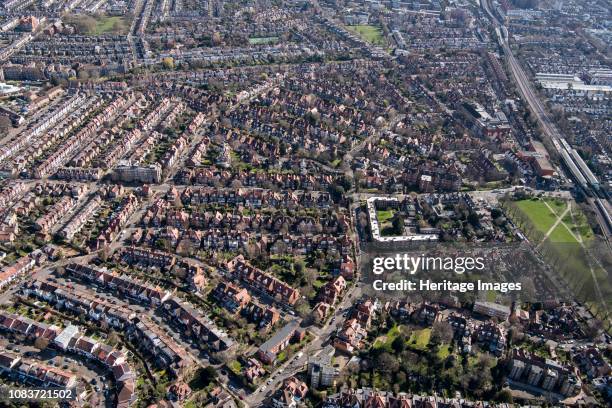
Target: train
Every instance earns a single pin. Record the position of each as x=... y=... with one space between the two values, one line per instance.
x=604 y=213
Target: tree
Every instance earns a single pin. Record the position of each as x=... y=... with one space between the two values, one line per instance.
x=337 y=192
x=387 y=363
x=298 y=266
x=504 y=396
x=119 y=26
x=216 y=38
x=83 y=24
x=113 y=339
x=302 y=308
x=528 y=292
x=593 y=328
x=41 y=343
x=203 y=377
x=5 y=124
x=398 y=224
x=104 y=254
x=496 y=213
x=221 y=357
x=473 y=219
x=168 y=63
x=104 y=325
x=441 y=332
x=83 y=75
x=399 y=344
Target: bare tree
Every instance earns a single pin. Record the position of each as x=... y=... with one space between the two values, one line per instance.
x=441 y=332
x=41 y=343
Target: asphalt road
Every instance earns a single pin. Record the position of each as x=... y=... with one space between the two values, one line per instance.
x=297 y=364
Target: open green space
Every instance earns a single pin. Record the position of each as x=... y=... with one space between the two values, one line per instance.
x=97 y=24
x=420 y=338
x=571 y=248
x=384 y=216
x=370 y=33
x=384 y=342
x=537 y=212
x=235 y=366
x=561 y=234
x=262 y=40
x=444 y=351
x=110 y=25
x=542 y=219
x=557 y=205
x=385 y=223
x=579 y=224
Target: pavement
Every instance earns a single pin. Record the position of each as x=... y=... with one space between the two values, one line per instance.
x=299 y=361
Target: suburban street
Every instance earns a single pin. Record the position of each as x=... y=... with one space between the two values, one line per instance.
x=298 y=362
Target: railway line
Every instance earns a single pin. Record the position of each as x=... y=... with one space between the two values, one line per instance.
x=580 y=173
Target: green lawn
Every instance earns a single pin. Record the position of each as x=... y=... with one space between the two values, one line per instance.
x=573 y=260
x=262 y=40
x=580 y=224
x=491 y=295
x=370 y=33
x=557 y=205
x=383 y=216
x=317 y=284
x=420 y=339
x=561 y=235
x=385 y=341
x=110 y=25
x=444 y=351
x=543 y=219
x=537 y=212
x=235 y=366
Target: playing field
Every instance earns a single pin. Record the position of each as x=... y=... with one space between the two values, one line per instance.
x=537 y=212
x=561 y=231
x=370 y=33
x=262 y=40
x=110 y=25
x=572 y=225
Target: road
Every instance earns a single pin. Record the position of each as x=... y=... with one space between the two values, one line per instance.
x=296 y=364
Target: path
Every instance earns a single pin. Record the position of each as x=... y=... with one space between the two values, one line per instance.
x=580 y=242
x=558 y=221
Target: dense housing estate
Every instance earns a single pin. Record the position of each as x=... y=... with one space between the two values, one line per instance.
x=193 y=194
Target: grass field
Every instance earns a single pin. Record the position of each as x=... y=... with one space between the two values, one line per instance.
x=558 y=206
x=542 y=218
x=561 y=235
x=384 y=216
x=370 y=33
x=110 y=25
x=262 y=40
x=537 y=212
x=571 y=247
x=384 y=342
x=444 y=351
x=420 y=339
